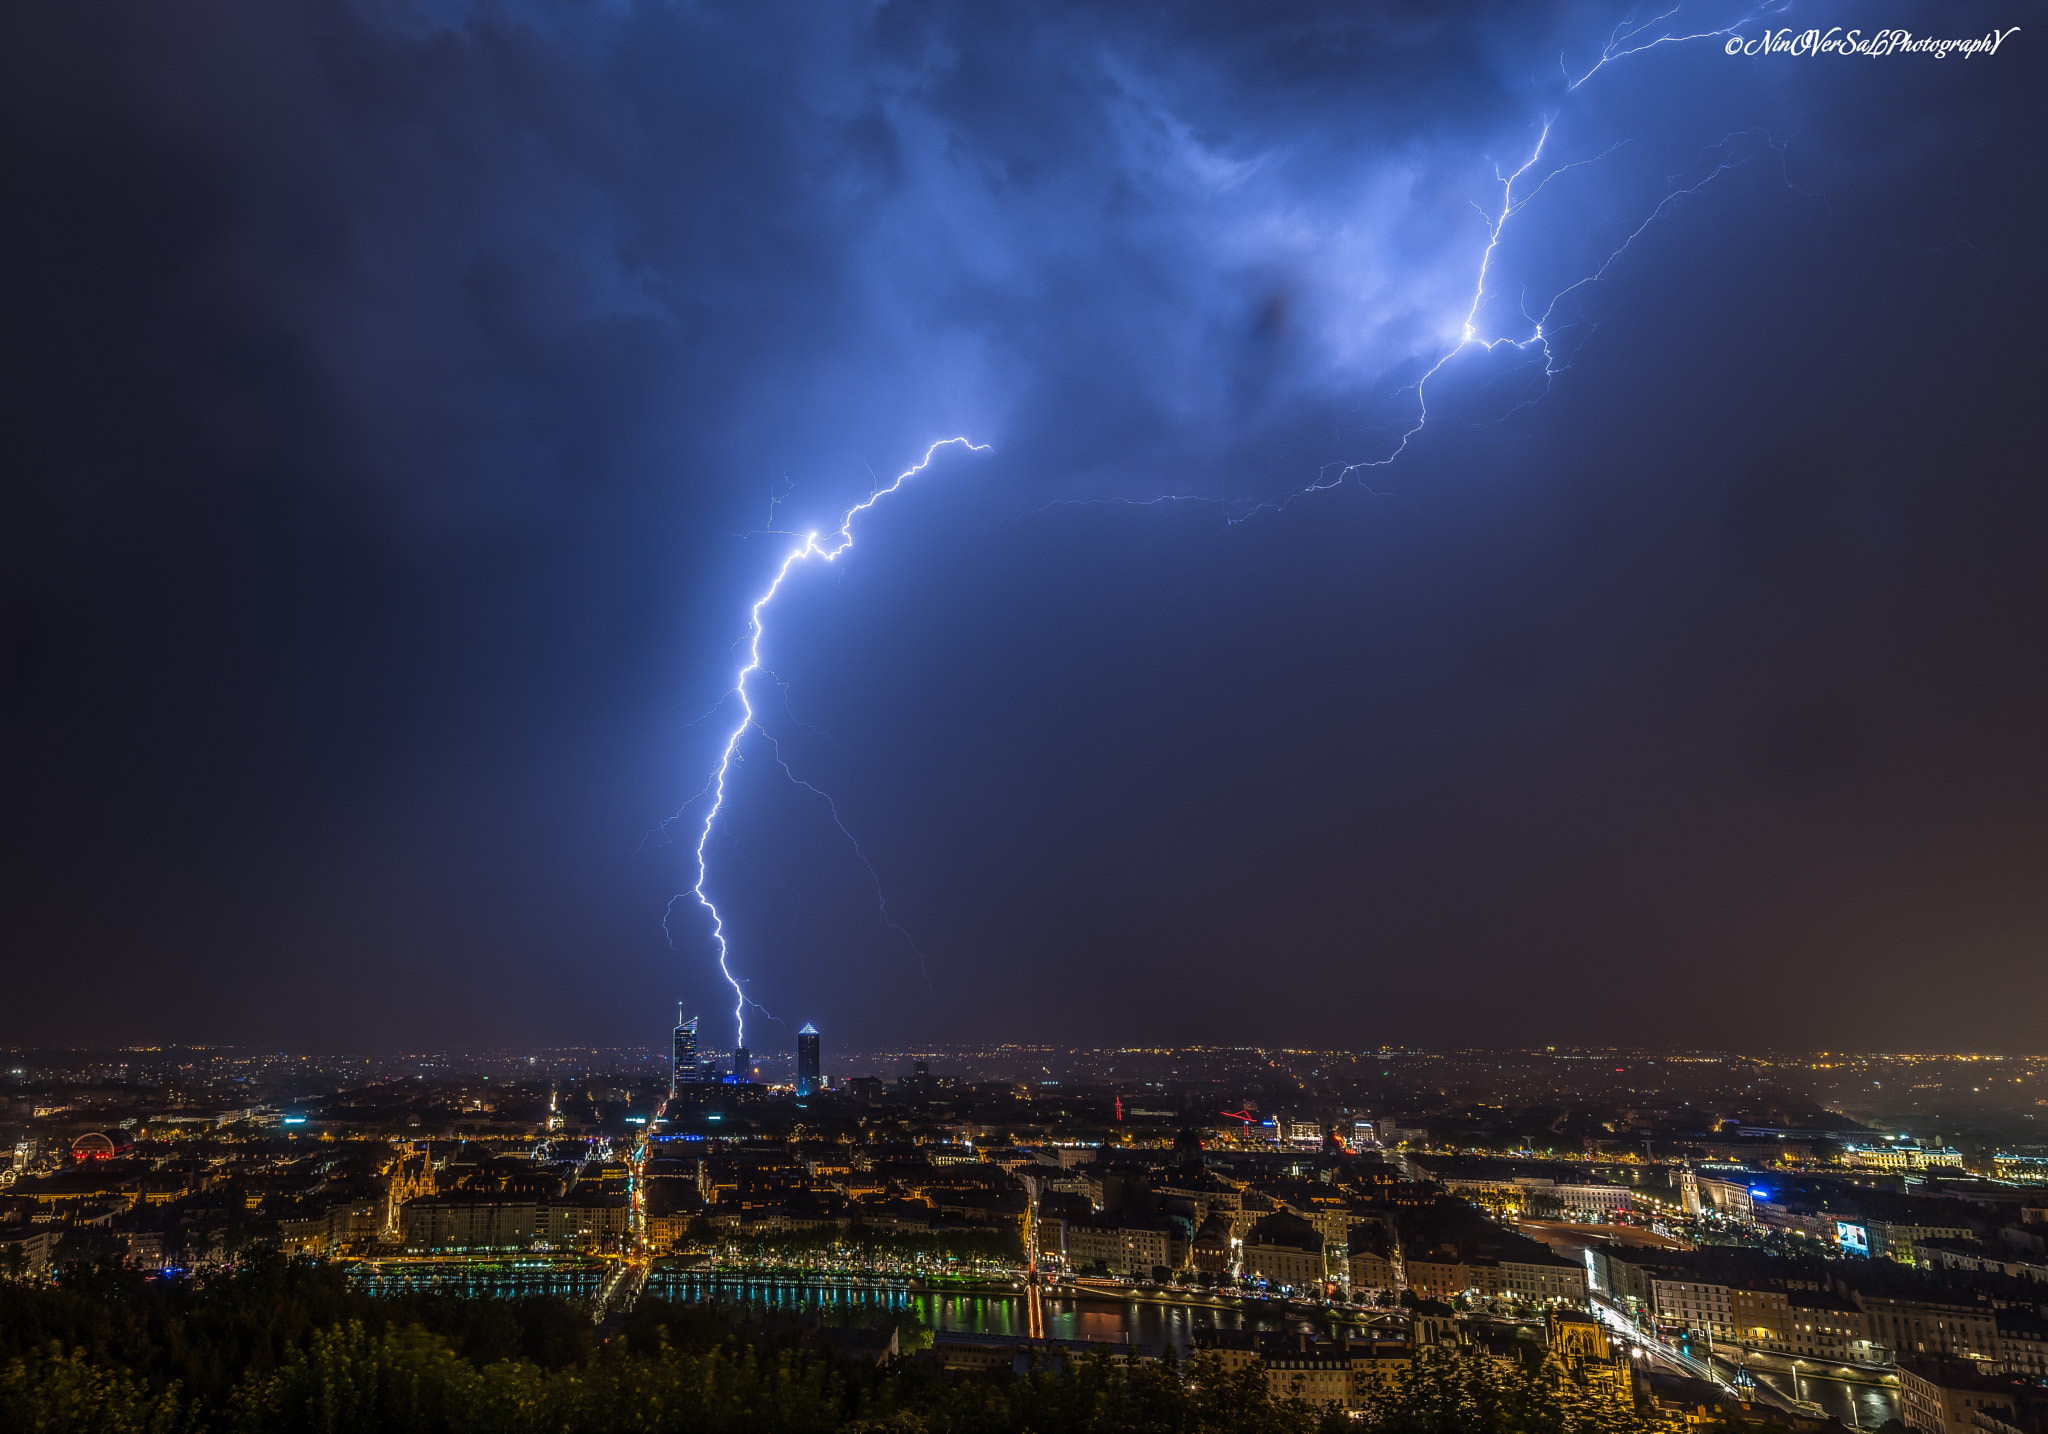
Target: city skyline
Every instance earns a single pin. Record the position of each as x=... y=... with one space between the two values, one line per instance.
x=1765 y=1239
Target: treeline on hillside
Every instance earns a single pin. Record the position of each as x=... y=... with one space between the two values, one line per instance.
x=291 y=1348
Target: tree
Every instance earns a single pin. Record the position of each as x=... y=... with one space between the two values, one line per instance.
x=52 y=1392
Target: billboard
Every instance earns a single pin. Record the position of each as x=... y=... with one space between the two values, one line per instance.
x=1854 y=1238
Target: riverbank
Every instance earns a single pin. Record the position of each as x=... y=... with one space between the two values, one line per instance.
x=1066 y=1309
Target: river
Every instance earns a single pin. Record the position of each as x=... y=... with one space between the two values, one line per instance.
x=1107 y=1316
x=1860 y=1401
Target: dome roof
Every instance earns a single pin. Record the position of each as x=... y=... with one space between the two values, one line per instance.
x=1285 y=1230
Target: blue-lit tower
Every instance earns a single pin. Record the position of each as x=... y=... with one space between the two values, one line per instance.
x=808 y=1078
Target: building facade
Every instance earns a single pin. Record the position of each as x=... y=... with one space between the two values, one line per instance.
x=1437 y=1277
x=1940 y=1396
x=1372 y=1267
x=1214 y=1252
x=1687 y=1303
x=1543 y=1279
x=1123 y=1246
x=479 y=1223
x=1920 y=1329
x=460 y=1220
x=1285 y=1250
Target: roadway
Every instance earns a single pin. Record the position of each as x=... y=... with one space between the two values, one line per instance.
x=628 y=1275
x=1862 y=1403
x=1618 y=1324
x=621 y=1287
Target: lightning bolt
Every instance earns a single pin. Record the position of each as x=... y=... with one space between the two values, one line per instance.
x=813 y=548
x=1496 y=225
x=1544 y=339
x=1734 y=150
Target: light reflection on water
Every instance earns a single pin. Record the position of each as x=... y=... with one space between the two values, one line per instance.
x=1142 y=1322
x=478 y=1283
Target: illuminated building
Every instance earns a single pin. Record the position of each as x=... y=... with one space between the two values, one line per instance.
x=1285 y=1249
x=412 y=1178
x=742 y=1064
x=478 y=1221
x=1213 y=1252
x=683 y=1067
x=807 y=1070
x=1126 y=1245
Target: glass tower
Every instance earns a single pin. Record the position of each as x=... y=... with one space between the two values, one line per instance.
x=683 y=1053
x=807 y=1069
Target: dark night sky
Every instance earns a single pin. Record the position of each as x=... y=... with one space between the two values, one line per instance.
x=391 y=391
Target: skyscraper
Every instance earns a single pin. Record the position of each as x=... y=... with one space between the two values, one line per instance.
x=742 y=1064
x=807 y=1068
x=682 y=1069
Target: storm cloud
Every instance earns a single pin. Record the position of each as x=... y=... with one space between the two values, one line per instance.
x=404 y=404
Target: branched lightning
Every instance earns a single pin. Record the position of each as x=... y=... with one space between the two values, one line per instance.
x=1733 y=153
x=1544 y=329
x=1637 y=33
x=874 y=877
x=1513 y=201
x=824 y=549
x=1544 y=339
